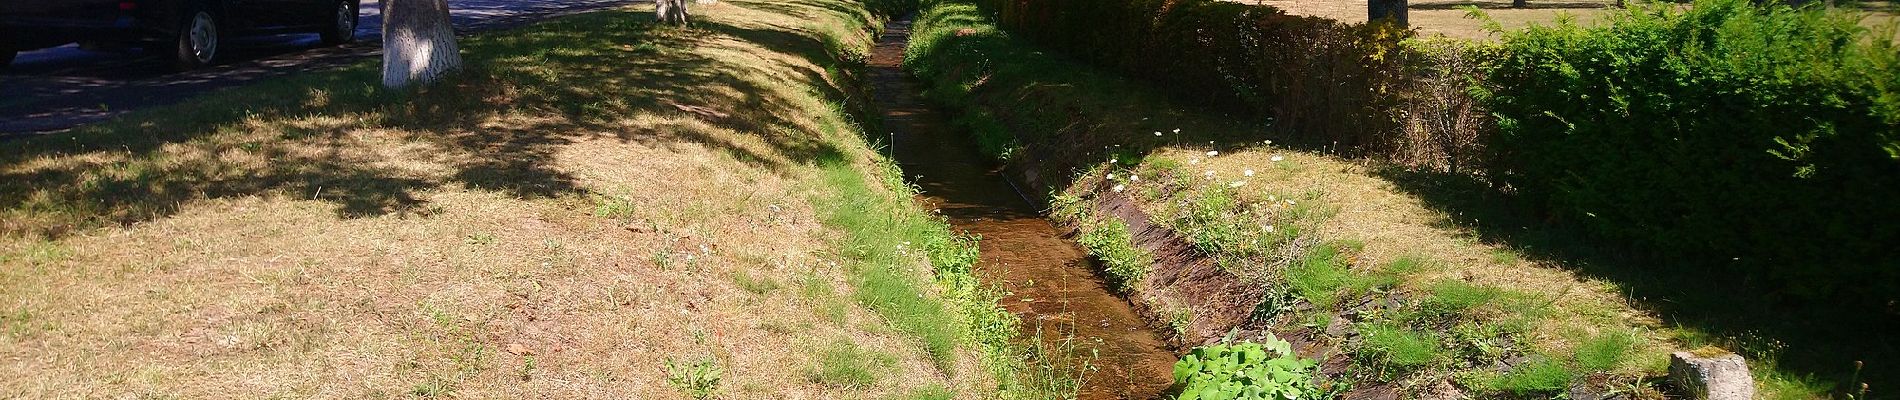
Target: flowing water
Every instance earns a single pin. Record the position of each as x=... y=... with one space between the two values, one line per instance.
x=1051 y=282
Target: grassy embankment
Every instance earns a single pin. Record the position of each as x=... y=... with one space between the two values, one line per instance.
x=598 y=206
x=1390 y=292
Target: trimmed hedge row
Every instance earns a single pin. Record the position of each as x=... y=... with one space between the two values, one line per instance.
x=1331 y=82
x=1765 y=140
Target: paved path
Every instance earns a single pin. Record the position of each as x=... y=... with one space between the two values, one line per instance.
x=55 y=89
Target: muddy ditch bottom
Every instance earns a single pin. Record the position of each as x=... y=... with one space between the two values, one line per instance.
x=1050 y=280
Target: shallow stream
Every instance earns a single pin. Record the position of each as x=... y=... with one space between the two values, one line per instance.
x=1051 y=282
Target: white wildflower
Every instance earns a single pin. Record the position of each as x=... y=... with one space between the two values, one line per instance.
x=1248 y=172
x=1277 y=158
x=1237 y=184
x=1268 y=228
x=1177 y=130
x=1209 y=173
x=1111 y=177
x=1118 y=188
x=1157 y=133
x=1193 y=161
x=1134 y=178
x=1211 y=153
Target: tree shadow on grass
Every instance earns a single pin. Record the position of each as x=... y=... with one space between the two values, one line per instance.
x=334 y=136
x=1820 y=340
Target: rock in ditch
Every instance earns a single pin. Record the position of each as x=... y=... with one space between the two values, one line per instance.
x=1711 y=375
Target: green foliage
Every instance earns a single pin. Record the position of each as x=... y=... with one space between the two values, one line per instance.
x=1452 y=298
x=1216 y=222
x=1538 y=376
x=1246 y=370
x=1235 y=56
x=1108 y=240
x=1398 y=348
x=1605 y=352
x=843 y=364
x=1321 y=274
x=697 y=378
x=1761 y=139
x=756 y=285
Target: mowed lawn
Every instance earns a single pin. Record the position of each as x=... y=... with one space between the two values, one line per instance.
x=598 y=207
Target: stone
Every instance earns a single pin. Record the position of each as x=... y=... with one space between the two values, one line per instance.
x=1711 y=375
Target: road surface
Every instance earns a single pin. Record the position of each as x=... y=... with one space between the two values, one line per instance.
x=55 y=89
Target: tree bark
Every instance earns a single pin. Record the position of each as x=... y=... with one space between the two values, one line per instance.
x=418 y=42
x=672 y=12
x=1380 y=9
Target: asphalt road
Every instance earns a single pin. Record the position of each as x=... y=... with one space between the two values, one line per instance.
x=56 y=89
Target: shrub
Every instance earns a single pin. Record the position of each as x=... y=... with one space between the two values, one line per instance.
x=1331 y=83
x=1762 y=139
x=1246 y=370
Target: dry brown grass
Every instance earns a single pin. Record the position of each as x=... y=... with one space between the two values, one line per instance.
x=498 y=244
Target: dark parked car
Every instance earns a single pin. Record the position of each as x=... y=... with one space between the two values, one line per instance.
x=188 y=32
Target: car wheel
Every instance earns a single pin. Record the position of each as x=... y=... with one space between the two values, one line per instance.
x=342 y=25
x=198 y=40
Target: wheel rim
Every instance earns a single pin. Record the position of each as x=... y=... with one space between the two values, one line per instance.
x=203 y=37
x=345 y=21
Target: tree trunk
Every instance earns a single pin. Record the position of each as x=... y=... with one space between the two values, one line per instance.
x=1381 y=9
x=418 y=42
x=672 y=12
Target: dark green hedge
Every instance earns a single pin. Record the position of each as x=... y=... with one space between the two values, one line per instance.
x=1327 y=82
x=1765 y=140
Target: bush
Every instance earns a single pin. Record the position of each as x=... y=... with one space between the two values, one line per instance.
x=1324 y=81
x=1763 y=139
x=1246 y=371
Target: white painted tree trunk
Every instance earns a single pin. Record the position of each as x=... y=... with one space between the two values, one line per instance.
x=671 y=12
x=418 y=42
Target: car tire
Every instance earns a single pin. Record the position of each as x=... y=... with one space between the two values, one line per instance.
x=198 y=39
x=342 y=28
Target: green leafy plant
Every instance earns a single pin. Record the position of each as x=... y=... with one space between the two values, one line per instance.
x=1109 y=240
x=1246 y=370
x=698 y=378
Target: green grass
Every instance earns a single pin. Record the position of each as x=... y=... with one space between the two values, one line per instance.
x=1324 y=275
x=1108 y=240
x=1605 y=352
x=1538 y=376
x=823 y=299
x=927 y=393
x=885 y=236
x=1453 y=299
x=879 y=230
x=844 y=364
x=1400 y=349
x=759 y=285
